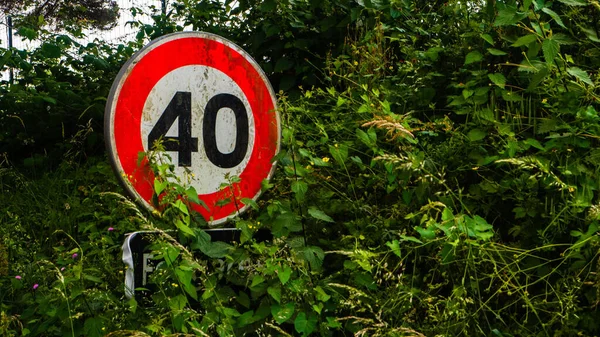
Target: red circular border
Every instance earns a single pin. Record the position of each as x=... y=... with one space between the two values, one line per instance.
x=187 y=50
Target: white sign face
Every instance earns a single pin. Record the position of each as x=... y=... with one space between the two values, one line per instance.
x=210 y=108
x=207 y=83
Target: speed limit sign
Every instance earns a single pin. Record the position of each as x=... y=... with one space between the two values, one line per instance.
x=213 y=110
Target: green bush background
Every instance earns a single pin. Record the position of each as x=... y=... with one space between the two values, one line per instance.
x=438 y=177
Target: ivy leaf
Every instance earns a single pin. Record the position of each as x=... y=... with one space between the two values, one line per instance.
x=554 y=15
x=498 y=79
x=580 y=75
x=305 y=324
x=525 y=40
x=496 y=52
x=319 y=214
x=550 y=48
x=574 y=2
x=473 y=57
x=282 y=313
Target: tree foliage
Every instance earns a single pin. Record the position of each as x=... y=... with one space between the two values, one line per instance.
x=62 y=14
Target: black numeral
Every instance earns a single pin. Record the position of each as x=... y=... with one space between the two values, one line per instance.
x=218 y=102
x=180 y=108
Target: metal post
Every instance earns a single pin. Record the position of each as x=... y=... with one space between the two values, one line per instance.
x=10 y=45
x=164 y=6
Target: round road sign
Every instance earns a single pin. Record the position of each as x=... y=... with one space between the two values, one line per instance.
x=214 y=111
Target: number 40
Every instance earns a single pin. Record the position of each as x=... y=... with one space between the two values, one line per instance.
x=180 y=108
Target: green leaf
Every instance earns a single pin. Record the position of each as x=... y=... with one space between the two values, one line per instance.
x=27 y=33
x=275 y=292
x=507 y=15
x=488 y=38
x=511 y=96
x=185 y=278
x=283 y=64
x=93 y=327
x=411 y=239
x=426 y=233
x=284 y=274
x=554 y=16
x=51 y=50
x=178 y=302
x=321 y=294
x=395 y=247
x=498 y=79
x=535 y=143
x=476 y=135
x=184 y=228
x=299 y=188
x=525 y=40
x=7 y=55
x=580 y=75
x=575 y=2
x=282 y=313
x=339 y=153
x=368 y=138
x=318 y=214
x=447 y=214
x=333 y=323
x=49 y=99
x=181 y=206
x=537 y=78
x=473 y=57
x=218 y=250
x=192 y=196
x=314 y=255
x=467 y=93
x=160 y=186
x=256 y=280
x=305 y=324
x=231 y=312
x=496 y=52
x=284 y=224
x=245 y=319
x=591 y=34
x=550 y=48
x=250 y=202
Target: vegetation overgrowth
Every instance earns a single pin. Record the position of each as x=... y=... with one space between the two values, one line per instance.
x=438 y=177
